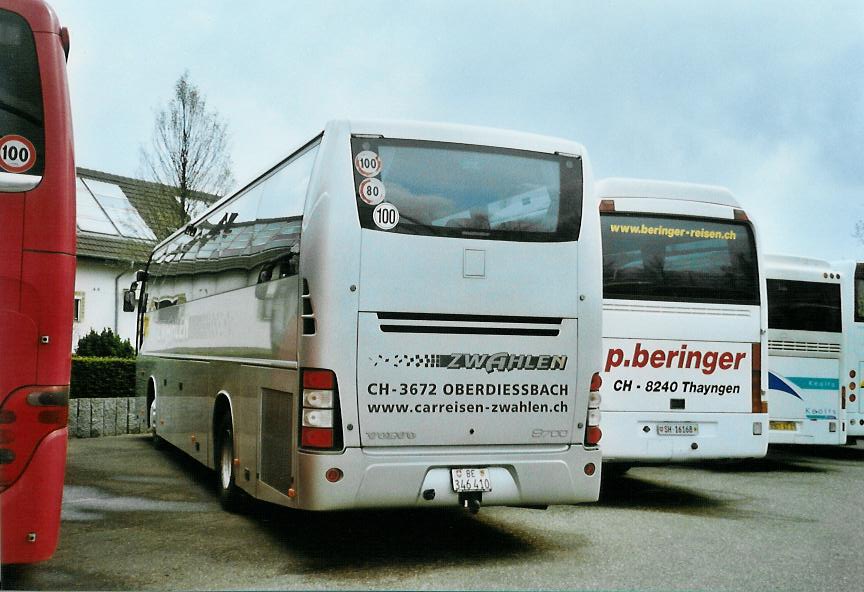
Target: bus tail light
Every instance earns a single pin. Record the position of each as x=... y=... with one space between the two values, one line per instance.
x=27 y=416
x=320 y=421
x=593 y=433
x=760 y=405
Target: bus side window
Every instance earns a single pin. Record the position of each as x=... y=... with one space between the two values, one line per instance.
x=284 y=193
x=859 y=301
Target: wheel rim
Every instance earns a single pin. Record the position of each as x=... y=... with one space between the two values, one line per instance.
x=226 y=460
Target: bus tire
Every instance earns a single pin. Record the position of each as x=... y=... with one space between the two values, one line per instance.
x=231 y=497
x=156 y=440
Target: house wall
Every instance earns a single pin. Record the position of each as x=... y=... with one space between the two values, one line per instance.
x=101 y=297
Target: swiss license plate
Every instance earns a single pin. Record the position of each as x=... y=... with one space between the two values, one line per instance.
x=471 y=480
x=783 y=426
x=678 y=429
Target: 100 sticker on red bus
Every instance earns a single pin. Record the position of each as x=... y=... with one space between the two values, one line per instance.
x=17 y=154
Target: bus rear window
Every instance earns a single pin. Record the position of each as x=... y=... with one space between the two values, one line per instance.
x=459 y=190
x=678 y=260
x=21 y=123
x=804 y=306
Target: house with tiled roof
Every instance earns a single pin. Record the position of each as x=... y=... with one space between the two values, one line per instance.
x=119 y=221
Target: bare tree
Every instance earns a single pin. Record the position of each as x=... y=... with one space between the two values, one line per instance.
x=189 y=152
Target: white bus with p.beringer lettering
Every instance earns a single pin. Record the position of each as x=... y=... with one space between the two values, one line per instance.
x=805 y=338
x=683 y=324
x=384 y=319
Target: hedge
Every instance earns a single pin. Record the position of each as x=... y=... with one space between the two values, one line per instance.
x=101 y=378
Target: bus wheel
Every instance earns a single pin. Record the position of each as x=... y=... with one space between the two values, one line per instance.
x=158 y=442
x=230 y=496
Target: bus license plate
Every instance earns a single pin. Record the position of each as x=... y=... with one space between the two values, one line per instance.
x=678 y=429
x=783 y=426
x=471 y=480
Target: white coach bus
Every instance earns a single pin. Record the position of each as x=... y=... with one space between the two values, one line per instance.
x=683 y=325
x=385 y=318
x=805 y=402
x=852 y=365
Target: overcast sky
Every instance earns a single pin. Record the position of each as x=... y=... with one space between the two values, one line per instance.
x=766 y=99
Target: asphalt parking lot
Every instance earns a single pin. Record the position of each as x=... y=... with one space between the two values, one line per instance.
x=137 y=518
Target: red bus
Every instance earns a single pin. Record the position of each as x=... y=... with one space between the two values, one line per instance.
x=37 y=275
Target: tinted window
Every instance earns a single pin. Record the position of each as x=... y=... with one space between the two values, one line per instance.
x=252 y=239
x=458 y=190
x=859 y=293
x=22 y=145
x=804 y=306
x=678 y=259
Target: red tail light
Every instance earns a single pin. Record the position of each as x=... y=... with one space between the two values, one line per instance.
x=319 y=379
x=27 y=416
x=759 y=406
x=320 y=420
x=592 y=432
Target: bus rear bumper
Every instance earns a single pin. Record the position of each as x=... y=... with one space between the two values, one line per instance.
x=30 y=509
x=809 y=432
x=855 y=424
x=391 y=478
x=632 y=436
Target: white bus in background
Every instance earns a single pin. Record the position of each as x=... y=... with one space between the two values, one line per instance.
x=852 y=365
x=386 y=318
x=683 y=325
x=805 y=338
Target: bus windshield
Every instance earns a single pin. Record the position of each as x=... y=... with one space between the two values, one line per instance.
x=457 y=190
x=21 y=124
x=804 y=306
x=678 y=259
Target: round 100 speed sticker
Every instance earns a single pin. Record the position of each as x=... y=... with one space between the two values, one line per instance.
x=371 y=191
x=17 y=154
x=367 y=163
x=385 y=216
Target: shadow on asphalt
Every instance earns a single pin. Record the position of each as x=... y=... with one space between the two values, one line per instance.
x=347 y=540
x=419 y=539
x=769 y=464
x=627 y=491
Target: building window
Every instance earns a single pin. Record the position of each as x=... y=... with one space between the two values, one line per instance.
x=78 y=310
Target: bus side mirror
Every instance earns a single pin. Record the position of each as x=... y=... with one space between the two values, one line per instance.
x=140 y=276
x=129 y=300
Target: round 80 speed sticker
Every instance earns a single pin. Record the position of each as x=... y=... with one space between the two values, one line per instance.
x=17 y=154
x=371 y=191
x=385 y=216
x=367 y=163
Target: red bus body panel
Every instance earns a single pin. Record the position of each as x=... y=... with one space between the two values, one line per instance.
x=37 y=275
x=32 y=505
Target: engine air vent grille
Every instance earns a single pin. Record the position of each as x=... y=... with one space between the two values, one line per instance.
x=308 y=313
x=464 y=324
x=803 y=346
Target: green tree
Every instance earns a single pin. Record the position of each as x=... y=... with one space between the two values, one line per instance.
x=106 y=344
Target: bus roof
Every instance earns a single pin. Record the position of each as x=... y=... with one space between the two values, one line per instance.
x=647 y=188
x=419 y=130
x=460 y=134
